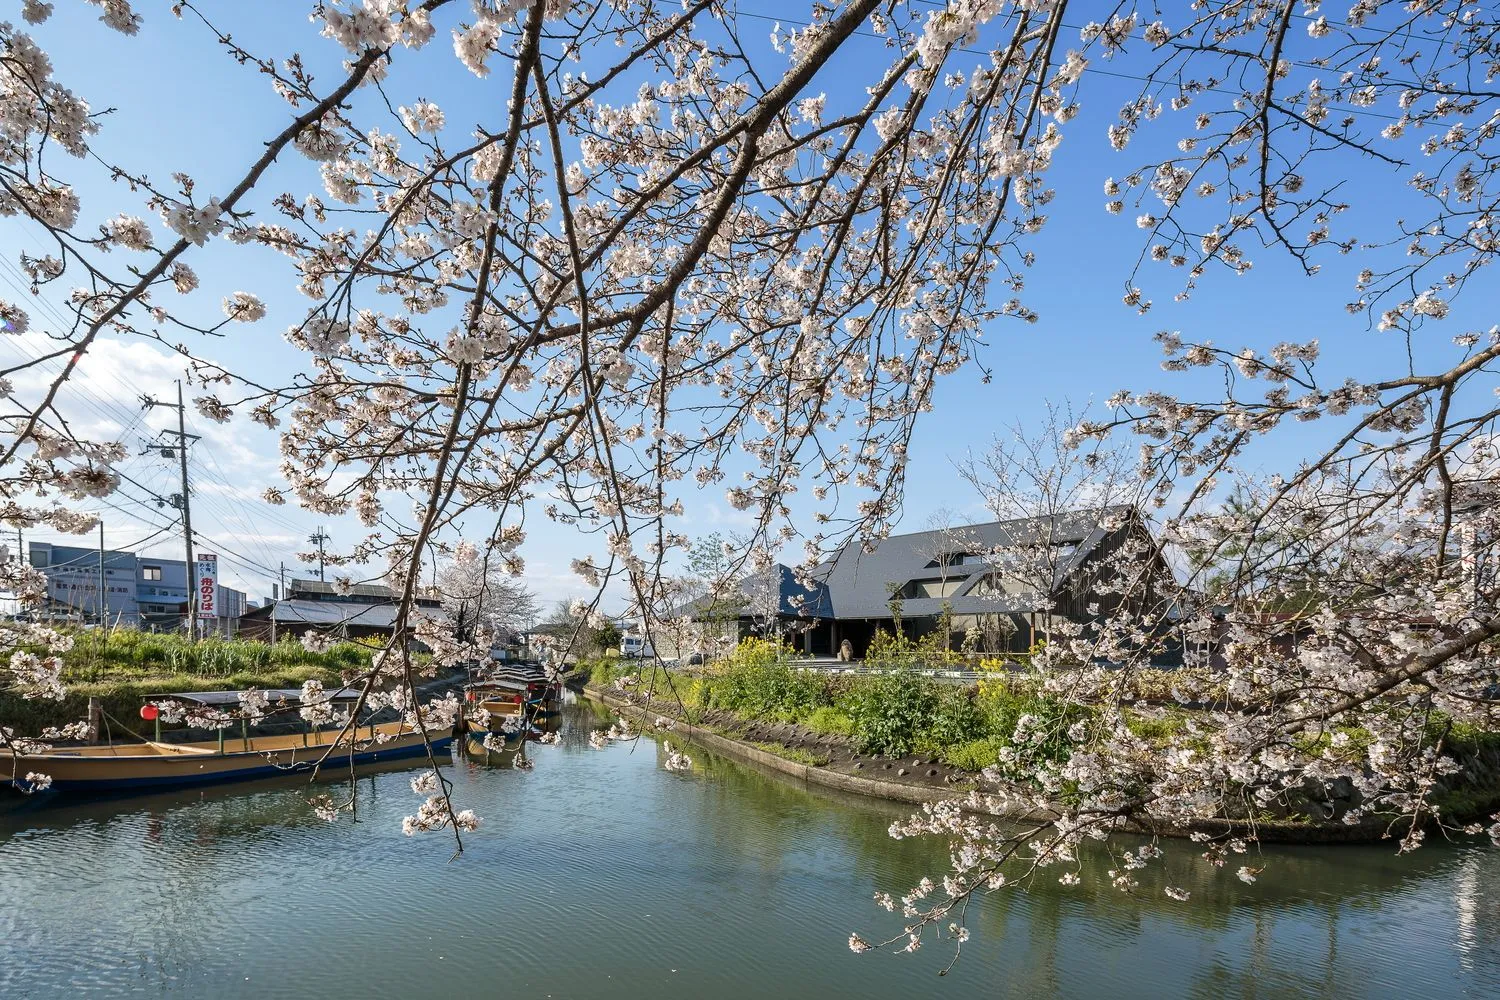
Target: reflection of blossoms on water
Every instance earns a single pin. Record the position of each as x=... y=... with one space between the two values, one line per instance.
x=324 y=807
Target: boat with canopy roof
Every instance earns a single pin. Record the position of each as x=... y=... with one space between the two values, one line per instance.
x=154 y=764
x=511 y=699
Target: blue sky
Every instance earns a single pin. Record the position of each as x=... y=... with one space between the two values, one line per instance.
x=182 y=105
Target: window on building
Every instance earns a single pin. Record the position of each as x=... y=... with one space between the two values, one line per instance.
x=151 y=572
x=932 y=588
x=956 y=559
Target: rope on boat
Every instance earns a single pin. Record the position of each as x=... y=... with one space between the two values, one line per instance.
x=122 y=725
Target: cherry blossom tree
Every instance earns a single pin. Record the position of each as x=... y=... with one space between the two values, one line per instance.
x=668 y=253
x=479 y=597
x=1049 y=485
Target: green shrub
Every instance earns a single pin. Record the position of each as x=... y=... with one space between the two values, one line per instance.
x=1155 y=730
x=755 y=652
x=975 y=755
x=890 y=652
x=775 y=691
x=891 y=712
x=1006 y=701
x=692 y=691
x=598 y=672
x=757 y=683
x=122 y=666
x=119 y=653
x=957 y=718
x=1152 y=684
x=829 y=721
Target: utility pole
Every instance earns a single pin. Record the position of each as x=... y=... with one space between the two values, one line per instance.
x=103 y=591
x=187 y=517
x=187 y=520
x=280 y=596
x=318 y=538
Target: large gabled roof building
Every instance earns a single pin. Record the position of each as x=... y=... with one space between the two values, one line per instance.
x=1006 y=579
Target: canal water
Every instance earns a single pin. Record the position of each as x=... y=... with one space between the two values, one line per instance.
x=601 y=874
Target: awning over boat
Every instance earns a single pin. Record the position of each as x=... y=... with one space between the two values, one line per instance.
x=276 y=696
x=496 y=684
x=522 y=673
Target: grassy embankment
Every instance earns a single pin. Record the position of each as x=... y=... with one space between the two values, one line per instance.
x=972 y=727
x=893 y=714
x=123 y=666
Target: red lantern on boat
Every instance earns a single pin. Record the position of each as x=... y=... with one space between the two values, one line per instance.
x=150 y=712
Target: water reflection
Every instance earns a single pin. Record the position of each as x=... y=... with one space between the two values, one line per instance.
x=598 y=873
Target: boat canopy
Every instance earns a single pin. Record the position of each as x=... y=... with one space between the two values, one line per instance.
x=526 y=673
x=276 y=696
x=496 y=683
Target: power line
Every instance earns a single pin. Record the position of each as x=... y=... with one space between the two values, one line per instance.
x=100 y=405
x=234 y=496
x=91 y=555
x=238 y=556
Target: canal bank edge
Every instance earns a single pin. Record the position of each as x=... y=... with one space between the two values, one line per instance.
x=740 y=750
x=1269 y=831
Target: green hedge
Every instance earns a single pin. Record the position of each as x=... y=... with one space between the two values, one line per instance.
x=1006 y=721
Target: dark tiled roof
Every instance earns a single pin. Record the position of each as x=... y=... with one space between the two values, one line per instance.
x=326 y=614
x=858 y=583
x=359 y=593
x=792 y=597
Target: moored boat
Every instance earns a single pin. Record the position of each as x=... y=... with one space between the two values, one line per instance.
x=156 y=764
x=510 y=693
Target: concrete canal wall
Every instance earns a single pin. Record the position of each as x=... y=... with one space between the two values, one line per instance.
x=897 y=791
x=740 y=750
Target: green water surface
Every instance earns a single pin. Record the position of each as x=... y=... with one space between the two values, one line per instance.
x=600 y=874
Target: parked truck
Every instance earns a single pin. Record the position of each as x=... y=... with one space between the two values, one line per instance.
x=636 y=647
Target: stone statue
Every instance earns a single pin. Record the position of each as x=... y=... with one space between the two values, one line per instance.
x=846 y=652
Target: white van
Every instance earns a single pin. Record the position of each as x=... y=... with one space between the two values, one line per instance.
x=636 y=647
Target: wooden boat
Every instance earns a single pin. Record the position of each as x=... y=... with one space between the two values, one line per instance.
x=154 y=764
x=500 y=701
x=518 y=691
